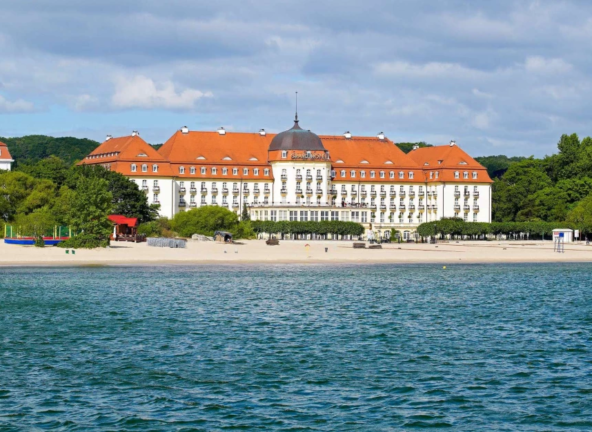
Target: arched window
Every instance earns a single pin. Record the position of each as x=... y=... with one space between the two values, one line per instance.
x=192 y=170
x=144 y=168
x=134 y=168
x=181 y=170
x=342 y=173
x=154 y=168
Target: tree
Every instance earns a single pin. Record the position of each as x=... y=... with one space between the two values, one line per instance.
x=91 y=207
x=52 y=168
x=581 y=215
x=206 y=220
x=36 y=224
x=406 y=147
x=21 y=193
x=245 y=216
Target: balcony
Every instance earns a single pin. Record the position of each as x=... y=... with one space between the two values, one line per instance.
x=402 y=194
x=308 y=191
x=319 y=177
x=214 y=191
x=156 y=202
x=225 y=191
x=298 y=177
x=284 y=191
x=467 y=208
x=363 y=193
x=434 y=194
x=284 y=177
x=193 y=190
x=467 y=193
x=225 y=204
x=434 y=207
x=298 y=191
x=182 y=190
x=457 y=194
x=193 y=204
x=457 y=207
x=246 y=191
x=383 y=207
x=333 y=192
x=411 y=207
x=372 y=206
x=256 y=191
x=411 y=194
x=476 y=194
x=319 y=191
x=234 y=204
x=182 y=204
x=421 y=207
x=344 y=192
x=393 y=207
x=308 y=177
x=354 y=193
x=382 y=194
x=475 y=207
x=401 y=207
x=266 y=191
x=145 y=189
x=204 y=191
x=236 y=191
x=373 y=194
x=156 y=189
x=392 y=193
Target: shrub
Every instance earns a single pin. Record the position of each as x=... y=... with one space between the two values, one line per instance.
x=209 y=219
x=161 y=227
x=39 y=242
x=310 y=227
x=84 y=241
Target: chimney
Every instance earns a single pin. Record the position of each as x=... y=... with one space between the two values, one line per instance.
x=452 y=143
x=380 y=136
x=221 y=131
x=185 y=130
x=347 y=135
x=262 y=132
x=108 y=137
x=415 y=146
x=135 y=133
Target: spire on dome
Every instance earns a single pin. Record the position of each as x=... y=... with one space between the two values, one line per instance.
x=296 y=117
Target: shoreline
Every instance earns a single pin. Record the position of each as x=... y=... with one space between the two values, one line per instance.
x=256 y=252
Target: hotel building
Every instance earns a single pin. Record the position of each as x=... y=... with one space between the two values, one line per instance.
x=297 y=175
x=5 y=158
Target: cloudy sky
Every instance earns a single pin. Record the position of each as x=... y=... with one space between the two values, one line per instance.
x=499 y=77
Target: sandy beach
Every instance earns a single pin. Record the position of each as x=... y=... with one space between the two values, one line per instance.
x=256 y=251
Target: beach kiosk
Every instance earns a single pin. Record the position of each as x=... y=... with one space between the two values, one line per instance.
x=223 y=237
x=563 y=233
x=125 y=229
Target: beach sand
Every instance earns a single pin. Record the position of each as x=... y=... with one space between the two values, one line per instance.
x=256 y=251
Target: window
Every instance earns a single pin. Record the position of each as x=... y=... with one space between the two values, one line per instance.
x=392 y=174
x=363 y=174
x=335 y=215
x=372 y=174
x=332 y=173
x=410 y=174
x=308 y=154
x=364 y=217
x=342 y=173
x=303 y=215
x=474 y=174
x=154 y=168
x=381 y=174
x=314 y=216
x=266 y=171
x=465 y=175
x=192 y=170
x=214 y=171
x=155 y=198
x=181 y=170
x=284 y=154
x=456 y=174
x=203 y=170
x=324 y=215
x=245 y=171
x=256 y=171
x=273 y=215
x=144 y=168
x=353 y=174
x=474 y=217
x=293 y=215
x=234 y=171
x=431 y=175
x=134 y=168
x=401 y=174
x=475 y=189
x=144 y=183
x=437 y=174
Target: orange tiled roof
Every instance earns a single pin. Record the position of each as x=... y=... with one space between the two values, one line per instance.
x=4 y=153
x=448 y=159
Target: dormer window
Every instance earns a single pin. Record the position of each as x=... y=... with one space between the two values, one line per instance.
x=144 y=168
x=284 y=154
x=372 y=174
x=342 y=173
x=411 y=174
x=154 y=168
x=256 y=171
x=134 y=167
x=362 y=174
x=382 y=174
x=308 y=154
x=401 y=174
x=203 y=170
x=245 y=171
x=181 y=170
x=465 y=175
x=456 y=175
x=224 y=171
x=234 y=171
x=214 y=171
x=474 y=174
x=392 y=174
x=266 y=172
x=192 y=170
x=353 y=174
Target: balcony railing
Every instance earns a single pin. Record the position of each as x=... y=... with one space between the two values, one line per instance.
x=411 y=194
x=401 y=206
x=284 y=177
x=319 y=191
x=246 y=191
x=476 y=194
x=156 y=202
x=182 y=204
x=308 y=191
x=192 y=204
x=457 y=194
x=393 y=192
x=319 y=177
x=393 y=207
x=298 y=191
x=155 y=188
x=411 y=207
x=402 y=194
x=256 y=191
x=333 y=191
x=267 y=191
x=225 y=204
x=235 y=204
x=354 y=193
x=309 y=177
x=236 y=191
x=225 y=191
x=372 y=206
x=456 y=207
x=298 y=177
x=204 y=191
x=475 y=207
x=344 y=192
x=144 y=188
x=421 y=207
x=363 y=193
x=182 y=190
x=383 y=207
x=214 y=191
x=373 y=194
x=467 y=208
x=284 y=191
x=193 y=190
x=382 y=194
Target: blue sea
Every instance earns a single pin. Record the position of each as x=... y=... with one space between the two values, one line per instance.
x=297 y=348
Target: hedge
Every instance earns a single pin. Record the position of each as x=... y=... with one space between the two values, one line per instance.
x=459 y=227
x=296 y=227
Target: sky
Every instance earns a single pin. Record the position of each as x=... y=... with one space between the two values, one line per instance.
x=498 y=77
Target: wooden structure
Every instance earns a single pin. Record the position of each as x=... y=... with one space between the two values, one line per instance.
x=359 y=245
x=223 y=236
x=125 y=229
x=272 y=242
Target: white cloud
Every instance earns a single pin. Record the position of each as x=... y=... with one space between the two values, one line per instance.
x=17 y=106
x=543 y=65
x=427 y=70
x=143 y=92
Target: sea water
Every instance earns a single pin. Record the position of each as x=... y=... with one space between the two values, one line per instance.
x=291 y=347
